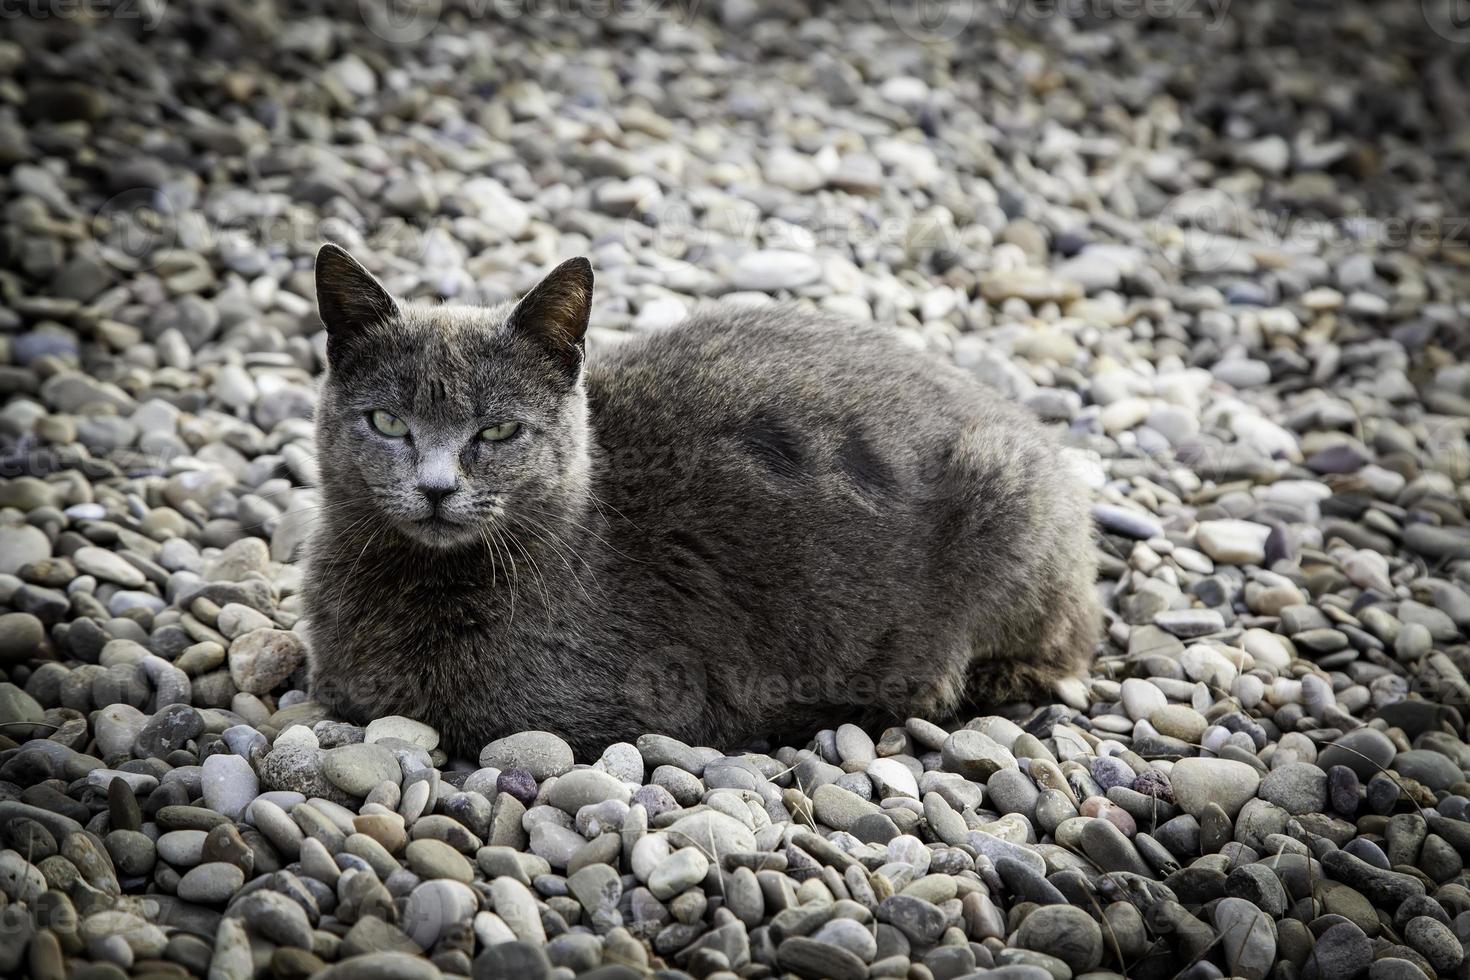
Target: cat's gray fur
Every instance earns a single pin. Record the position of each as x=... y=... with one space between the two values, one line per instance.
x=759 y=523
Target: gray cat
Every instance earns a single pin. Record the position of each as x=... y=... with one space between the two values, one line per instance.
x=754 y=525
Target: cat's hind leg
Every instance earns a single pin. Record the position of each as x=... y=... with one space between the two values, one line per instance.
x=1048 y=665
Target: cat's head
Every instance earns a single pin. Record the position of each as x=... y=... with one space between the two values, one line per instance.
x=443 y=420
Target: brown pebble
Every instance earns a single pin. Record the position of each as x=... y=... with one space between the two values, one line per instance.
x=386 y=829
x=224 y=843
x=288 y=963
x=45 y=958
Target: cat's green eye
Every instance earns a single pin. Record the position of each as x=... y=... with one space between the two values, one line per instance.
x=389 y=424
x=501 y=432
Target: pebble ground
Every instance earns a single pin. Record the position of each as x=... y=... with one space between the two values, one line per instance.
x=1217 y=246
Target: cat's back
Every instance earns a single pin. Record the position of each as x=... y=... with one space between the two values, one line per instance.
x=780 y=377
x=775 y=420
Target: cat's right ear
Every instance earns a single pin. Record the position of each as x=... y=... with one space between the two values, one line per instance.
x=349 y=298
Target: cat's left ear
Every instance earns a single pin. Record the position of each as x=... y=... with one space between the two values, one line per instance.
x=349 y=298
x=555 y=312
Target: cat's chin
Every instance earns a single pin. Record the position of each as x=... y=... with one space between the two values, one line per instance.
x=435 y=532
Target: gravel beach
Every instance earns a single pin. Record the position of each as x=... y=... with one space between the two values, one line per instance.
x=1221 y=248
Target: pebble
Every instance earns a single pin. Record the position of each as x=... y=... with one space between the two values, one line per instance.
x=1198 y=783
x=229 y=785
x=680 y=870
x=181 y=847
x=1179 y=721
x=108 y=566
x=210 y=884
x=434 y=906
x=921 y=921
x=1339 y=953
x=1248 y=938
x=712 y=832
x=22 y=545
x=435 y=859
x=275 y=917
x=806 y=957
x=586 y=787
x=541 y=754
x=360 y=768
x=1296 y=787
x=1065 y=932
x=893 y=778
x=263 y=658
x=1141 y=698
x=849 y=935
x=975 y=755
x=772 y=270
x=514 y=904
x=1435 y=942
x=402 y=729
x=1130 y=523
x=1233 y=542
x=1365 y=751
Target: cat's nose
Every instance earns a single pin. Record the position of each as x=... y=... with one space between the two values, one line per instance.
x=435 y=493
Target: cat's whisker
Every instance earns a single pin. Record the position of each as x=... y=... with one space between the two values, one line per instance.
x=535 y=570
x=547 y=538
x=497 y=556
x=489 y=553
x=314 y=512
x=353 y=525
x=599 y=503
x=573 y=522
x=544 y=535
x=269 y=494
x=510 y=569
